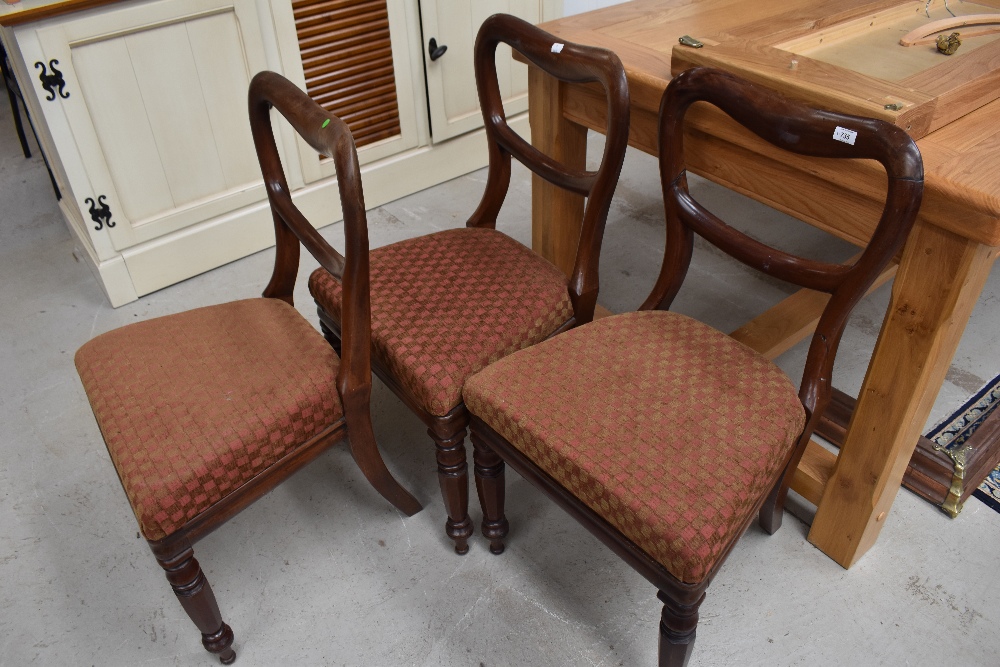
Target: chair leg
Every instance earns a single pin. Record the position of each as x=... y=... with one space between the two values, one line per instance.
x=678 y=623
x=364 y=449
x=453 y=476
x=490 y=484
x=773 y=510
x=196 y=596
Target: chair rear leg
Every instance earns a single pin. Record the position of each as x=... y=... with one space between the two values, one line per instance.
x=331 y=337
x=196 y=596
x=490 y=484
x=678 y=623
x=453 y=476
x=773 y=509
x=366 y=454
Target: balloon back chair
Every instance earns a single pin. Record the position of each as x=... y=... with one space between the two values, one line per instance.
x=447 y=304
x=205 y=411
x=661 y=435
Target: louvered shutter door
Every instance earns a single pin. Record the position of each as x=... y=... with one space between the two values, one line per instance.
x=347 y=58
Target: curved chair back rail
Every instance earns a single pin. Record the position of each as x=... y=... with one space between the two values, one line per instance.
x=572 y=63
x=799 y=129
x=328 y=135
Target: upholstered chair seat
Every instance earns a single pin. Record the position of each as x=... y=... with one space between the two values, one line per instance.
x=698 y=423
x=194 y=405
x=447 y=304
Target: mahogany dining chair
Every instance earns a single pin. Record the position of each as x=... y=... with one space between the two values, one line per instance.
x=661 y=435
x=447 y=304
x=205 y=411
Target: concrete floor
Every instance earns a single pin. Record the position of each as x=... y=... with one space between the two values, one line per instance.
x=324 y=572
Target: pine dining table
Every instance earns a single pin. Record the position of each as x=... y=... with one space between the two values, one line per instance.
x=937 y=281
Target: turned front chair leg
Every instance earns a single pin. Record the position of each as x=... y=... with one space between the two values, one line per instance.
x=677 y=631
x=196 y=596
x=453 y=475
x=490 y=484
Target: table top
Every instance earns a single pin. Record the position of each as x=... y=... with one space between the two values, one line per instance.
x=961 y=160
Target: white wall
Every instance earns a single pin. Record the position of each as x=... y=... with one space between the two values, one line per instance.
x=571 y=7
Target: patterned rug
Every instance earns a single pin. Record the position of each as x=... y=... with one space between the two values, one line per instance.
x=952 y=433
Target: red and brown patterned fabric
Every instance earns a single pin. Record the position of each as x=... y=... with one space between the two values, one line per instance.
x=194 y=405
x=667 y=428
x=447 y=304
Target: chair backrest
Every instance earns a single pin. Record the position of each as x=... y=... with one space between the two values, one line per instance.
x=572 y=63
x=328 y=135
x=805 y=131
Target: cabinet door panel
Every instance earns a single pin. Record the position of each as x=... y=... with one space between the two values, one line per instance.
x=157 y=110
x=451 y=81
x=224 y=76
x=108 y=85
x=175 y=107
x=347 y=57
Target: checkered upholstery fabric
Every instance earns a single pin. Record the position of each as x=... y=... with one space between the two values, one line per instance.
x=447 y=304
x=667 y=428
x=194 y=405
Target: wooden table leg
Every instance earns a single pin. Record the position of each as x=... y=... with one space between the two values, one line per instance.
x=939 y=279
x=556 y=214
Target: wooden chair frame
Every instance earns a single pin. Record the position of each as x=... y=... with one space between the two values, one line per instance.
x=796 y=128
x=330 y=136
x=573 y=63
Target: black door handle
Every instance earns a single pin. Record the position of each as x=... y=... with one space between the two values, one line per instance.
x=434 y=50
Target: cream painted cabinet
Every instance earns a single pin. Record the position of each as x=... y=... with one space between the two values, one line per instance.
x=151 y=130
x=143 y=115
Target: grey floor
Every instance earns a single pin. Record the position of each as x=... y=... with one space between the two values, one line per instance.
x=323 y=572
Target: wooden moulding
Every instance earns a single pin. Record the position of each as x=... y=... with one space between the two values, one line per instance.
x=931 y=474
x=938 y=92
